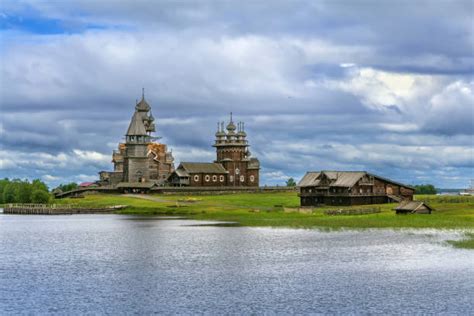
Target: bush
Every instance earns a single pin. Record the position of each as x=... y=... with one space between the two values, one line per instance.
x=40 y=196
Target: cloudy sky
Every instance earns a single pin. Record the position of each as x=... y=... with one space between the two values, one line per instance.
x=382 y=86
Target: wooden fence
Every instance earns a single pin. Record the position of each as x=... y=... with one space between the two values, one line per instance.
x=53 y=209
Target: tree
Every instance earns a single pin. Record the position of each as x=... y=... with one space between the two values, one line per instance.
x=9 y=193
x=40 y=196
x=23 y=192
x=290 y=182
x=425 y=189
x=39 y=185
x=3 y=184
x=67 y=187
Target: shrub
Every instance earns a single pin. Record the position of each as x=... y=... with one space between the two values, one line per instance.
x=40 y=196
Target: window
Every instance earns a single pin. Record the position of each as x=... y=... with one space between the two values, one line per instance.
x=237 y=171
x=252 y=178
x=207 y=178
x=231 y=178
x=196 y=178
x=221 y=178
x=214 y=178
x=242 y=178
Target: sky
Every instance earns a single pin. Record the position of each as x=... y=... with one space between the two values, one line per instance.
x=381 y=86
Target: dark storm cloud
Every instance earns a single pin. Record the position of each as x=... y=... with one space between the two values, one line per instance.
x=384 y=87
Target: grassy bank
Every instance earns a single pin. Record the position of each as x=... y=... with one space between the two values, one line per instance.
x=466 y=243
x=266 y=209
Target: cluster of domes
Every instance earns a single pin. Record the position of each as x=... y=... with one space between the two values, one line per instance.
x=232 y=133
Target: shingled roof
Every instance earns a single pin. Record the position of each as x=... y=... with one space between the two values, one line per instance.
x=136 y=127
x=412 y=206
x=340 y=178
x=203 y=167
x=309 y=179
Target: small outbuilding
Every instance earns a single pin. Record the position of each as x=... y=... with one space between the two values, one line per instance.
x=413 y=207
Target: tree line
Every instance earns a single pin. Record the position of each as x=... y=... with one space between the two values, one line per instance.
x=425 y=189
x=23 y=191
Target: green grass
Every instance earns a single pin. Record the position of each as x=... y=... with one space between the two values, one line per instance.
x=266 y=209
x=465 y=243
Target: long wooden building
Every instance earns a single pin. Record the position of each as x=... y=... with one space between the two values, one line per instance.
x=350 y=188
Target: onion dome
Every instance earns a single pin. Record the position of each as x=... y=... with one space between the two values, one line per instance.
x=143 y=106
x=241 y=131
x=231 y=126
x=151 y=118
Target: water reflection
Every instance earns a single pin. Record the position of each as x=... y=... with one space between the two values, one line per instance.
x=125 y=264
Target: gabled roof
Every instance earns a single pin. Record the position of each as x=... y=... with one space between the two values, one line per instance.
x=136 y=127
x=411 y=206
x=181 y=173
x=340 y=178
x=345 y=178
x=202 y=167
x=309 y=179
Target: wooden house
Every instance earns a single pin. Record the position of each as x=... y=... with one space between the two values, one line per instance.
x=350 y=188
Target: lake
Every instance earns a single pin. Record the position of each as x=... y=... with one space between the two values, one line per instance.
x=123 y=264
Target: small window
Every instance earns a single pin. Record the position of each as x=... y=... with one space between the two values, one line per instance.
x=221 y=178
x=231 y=178
x=214 y=178
x=252 y=178
x=242 y=178
x=237 y=171
x=207 y=178
x=196 y=178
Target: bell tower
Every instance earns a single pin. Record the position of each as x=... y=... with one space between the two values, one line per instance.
x=232 y=152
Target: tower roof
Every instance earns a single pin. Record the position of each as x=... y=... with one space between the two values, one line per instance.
x=143 y=106
x=136 y=127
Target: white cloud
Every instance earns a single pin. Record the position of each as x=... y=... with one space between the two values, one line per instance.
x=49 y=178
x=91 y=156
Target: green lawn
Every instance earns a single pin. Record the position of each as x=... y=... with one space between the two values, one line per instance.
x=266 y=209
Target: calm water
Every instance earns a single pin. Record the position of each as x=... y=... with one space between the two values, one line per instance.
x=122 y=265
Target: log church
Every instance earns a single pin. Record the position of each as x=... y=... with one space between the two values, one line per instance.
x=142 y=163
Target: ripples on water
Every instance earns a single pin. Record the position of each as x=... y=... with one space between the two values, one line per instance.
x=121 y=265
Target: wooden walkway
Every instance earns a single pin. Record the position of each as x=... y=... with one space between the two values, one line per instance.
x=55 y=209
